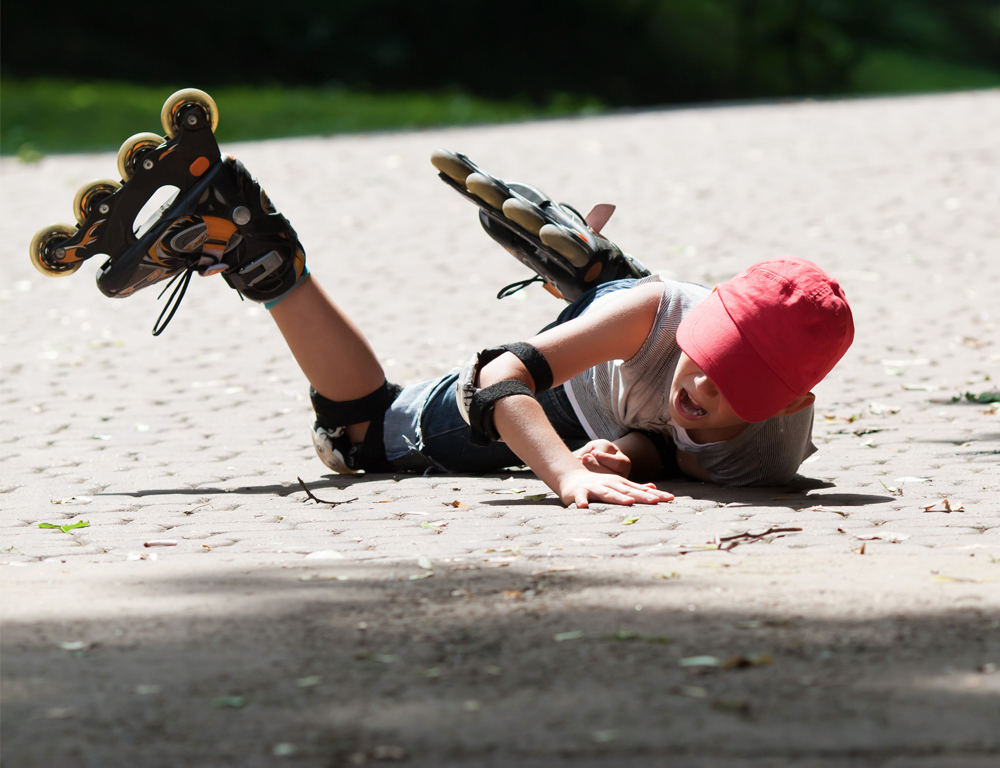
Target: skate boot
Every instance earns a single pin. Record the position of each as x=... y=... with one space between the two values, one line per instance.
x=218 y=221
x=564 y=249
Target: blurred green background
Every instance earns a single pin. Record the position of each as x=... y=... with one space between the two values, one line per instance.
x=78 y=77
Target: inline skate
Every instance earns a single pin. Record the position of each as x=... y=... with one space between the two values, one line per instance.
x=565 y=250
x=218 y=221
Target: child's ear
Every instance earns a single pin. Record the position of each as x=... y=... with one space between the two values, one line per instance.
x=800 y=402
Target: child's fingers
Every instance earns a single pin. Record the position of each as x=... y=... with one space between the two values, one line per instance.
x=650 y=494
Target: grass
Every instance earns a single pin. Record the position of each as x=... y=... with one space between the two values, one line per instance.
x=885 y=70
x=42 y=116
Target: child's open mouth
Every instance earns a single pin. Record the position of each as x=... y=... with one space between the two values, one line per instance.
x=688 y=407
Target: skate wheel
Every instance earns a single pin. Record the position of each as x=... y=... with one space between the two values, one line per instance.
x=89 y=197
x=133 y=149
x=453 y=166
x=566 y=244
x=524 y=214
x=487 y=190
x=175 y=103
x=43 y=249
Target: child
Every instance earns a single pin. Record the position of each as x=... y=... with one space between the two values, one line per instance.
x=643 y=378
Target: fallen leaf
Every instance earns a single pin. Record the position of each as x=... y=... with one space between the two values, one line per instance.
x=424 y=575
x=425 y=562
x=514 y=491
x=230 y=702
x=754 y=660
x=893 y=491
x=436 y=527
x=639 y=637
x=878 y=409
x=860 y=550
x=671 y=575
x=563 y=636
x=512 y=594
x=76 y=645
x=432 y=527
x=992 y=396
x=72 y=500
x=308 y=682
x=317 y=577
x=536 y=497
x=66 y=528
x=960 y=579
x=631 y=520
x=824 y=509
x=945 y=506
x=694 y=691
x=700 y=661
x=728 y=704
x=284 y=749
x=456 y=504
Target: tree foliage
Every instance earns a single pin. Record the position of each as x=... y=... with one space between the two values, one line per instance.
x=625 y=52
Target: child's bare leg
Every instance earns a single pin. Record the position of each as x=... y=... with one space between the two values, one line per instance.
x=332 y=352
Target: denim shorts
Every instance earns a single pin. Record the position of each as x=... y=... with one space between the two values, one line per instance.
x=424 y=430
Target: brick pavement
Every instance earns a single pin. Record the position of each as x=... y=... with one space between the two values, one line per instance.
x=199 y=436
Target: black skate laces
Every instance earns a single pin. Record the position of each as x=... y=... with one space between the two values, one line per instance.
x=520 y=285
x=180 y=283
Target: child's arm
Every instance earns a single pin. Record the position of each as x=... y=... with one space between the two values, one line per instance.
x=615 y=330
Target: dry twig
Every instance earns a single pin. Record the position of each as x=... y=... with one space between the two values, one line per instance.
x=321 y=501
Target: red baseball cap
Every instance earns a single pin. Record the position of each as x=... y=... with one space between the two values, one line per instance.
x=769 y=335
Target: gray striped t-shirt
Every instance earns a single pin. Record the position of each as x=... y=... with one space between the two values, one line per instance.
x=622 y=396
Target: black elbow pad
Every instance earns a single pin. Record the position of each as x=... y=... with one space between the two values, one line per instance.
x=476 y=405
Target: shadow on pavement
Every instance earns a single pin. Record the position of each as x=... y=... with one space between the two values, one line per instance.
x=347 y=664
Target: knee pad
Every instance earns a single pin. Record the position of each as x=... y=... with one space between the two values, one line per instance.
x=332 y=414
x=330 y=430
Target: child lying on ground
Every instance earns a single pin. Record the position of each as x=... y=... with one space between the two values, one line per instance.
x=639 y=379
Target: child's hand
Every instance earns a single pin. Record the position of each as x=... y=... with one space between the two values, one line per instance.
x=604 y=456
x=583 y=486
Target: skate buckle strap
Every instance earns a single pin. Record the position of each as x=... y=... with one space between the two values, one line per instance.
x=270 y=262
